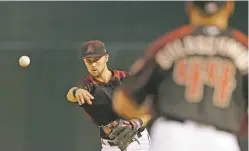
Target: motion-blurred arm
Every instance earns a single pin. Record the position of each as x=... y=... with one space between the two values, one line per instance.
x=132 y=100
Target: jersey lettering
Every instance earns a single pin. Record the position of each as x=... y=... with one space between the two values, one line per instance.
x=203 y=45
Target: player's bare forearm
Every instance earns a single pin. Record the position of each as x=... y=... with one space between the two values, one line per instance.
x=145 y=118
x=127 y=108
x=70 y=96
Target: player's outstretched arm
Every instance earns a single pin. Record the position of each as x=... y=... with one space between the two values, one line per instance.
x=129 y=100
x=79 y=95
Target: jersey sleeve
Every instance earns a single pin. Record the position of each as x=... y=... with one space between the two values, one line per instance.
x=245 y=88
x=143 y=83
x=147 y=73
x=243 y=39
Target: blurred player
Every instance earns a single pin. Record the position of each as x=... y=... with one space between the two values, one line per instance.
x=196 y=75
x=94 y=94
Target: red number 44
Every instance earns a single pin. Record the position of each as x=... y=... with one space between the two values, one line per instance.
x=196 y=72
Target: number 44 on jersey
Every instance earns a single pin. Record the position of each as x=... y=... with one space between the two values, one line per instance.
x=196 y=72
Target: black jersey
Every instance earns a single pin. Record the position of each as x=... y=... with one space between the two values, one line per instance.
x=195 y=73
x=101 y=111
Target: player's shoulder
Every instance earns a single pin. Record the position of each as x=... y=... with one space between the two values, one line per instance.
x=176 y=33
x=88 y=79
x=180 y=31
x=121 y=74
x=167 y=37
x=85 y=83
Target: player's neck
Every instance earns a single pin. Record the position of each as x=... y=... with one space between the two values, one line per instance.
x=220 y=20
x=105 y=77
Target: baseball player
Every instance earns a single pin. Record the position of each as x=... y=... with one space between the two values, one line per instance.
x=196 y=75
x=94 y=95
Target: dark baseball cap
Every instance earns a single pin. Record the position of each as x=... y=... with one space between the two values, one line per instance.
x=93 y=48
x=209 y=7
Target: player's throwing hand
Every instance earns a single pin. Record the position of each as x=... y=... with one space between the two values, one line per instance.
x=83 y=96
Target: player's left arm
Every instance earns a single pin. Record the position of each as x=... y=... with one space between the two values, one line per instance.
x=145 y=118
x=131 y=99
x=243 y=39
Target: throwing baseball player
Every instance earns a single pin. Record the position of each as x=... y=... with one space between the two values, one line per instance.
x=196 y=75
x=94 y=95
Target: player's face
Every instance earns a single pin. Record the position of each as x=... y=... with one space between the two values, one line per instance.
x=96 y=65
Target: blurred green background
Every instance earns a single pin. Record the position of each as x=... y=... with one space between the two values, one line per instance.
x=34 y=112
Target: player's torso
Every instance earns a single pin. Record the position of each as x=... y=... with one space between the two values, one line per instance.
x=101 y=110
x=204 y=78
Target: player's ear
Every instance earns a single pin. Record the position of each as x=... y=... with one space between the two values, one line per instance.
x=84 y=61
x=107 y=57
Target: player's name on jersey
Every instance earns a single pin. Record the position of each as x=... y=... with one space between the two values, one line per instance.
x=203 y=45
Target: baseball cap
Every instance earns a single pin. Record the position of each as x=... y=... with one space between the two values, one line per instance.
x=93 y=48
x=209 y=7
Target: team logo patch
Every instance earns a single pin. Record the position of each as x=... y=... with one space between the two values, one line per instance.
x=90 y=49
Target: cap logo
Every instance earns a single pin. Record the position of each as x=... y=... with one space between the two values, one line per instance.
x=90 y=49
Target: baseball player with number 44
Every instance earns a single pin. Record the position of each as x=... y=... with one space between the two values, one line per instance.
x=197 y=76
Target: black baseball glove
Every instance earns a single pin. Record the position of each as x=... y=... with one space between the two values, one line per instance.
x=122 y=132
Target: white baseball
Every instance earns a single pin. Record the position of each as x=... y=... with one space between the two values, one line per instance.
x=24 y=61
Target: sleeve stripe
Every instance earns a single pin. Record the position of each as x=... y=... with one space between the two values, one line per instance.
x=240 y=37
